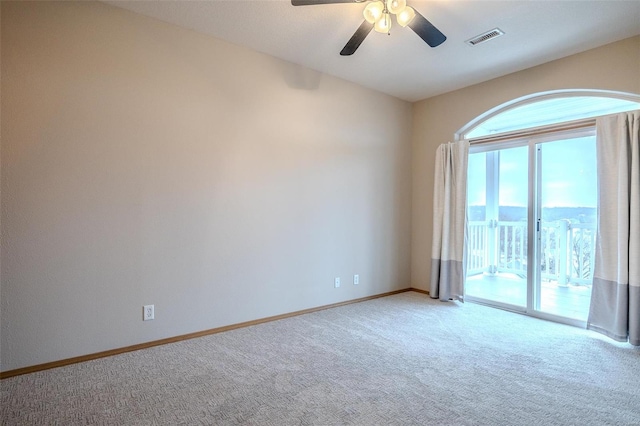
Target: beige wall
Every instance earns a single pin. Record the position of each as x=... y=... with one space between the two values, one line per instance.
x=613 y=67
x=147 y=164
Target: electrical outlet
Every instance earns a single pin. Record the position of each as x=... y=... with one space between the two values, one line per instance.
x=148 y=313
x=337 y=282
x=356 y=279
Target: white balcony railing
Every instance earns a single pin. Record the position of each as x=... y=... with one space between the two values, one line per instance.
x=567 y=250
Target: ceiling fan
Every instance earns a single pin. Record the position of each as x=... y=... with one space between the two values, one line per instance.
x=377 y=15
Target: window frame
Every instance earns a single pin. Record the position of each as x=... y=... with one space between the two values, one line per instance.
x=539 y=97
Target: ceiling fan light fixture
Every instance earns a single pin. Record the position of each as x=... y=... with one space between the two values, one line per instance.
x=406 y=16
x=396 y=6
x=373 y=12
x=377 y=15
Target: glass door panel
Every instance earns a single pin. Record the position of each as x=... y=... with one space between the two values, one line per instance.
x=497 y=238
x=567 y=198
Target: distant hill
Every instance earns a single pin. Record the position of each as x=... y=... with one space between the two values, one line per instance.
x=517 y=213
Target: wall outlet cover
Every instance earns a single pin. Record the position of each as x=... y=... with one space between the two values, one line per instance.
x=148 y=312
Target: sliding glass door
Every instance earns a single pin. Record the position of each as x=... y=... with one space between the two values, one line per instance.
x=532 y=216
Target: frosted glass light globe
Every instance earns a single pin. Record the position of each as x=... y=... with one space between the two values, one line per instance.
x=406 y=16
x=396 y=6
x=373 y=12
x=383 y=25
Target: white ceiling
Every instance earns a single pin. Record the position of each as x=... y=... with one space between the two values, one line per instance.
x=401 y=64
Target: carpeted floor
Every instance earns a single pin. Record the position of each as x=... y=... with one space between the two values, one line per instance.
x=403 y=359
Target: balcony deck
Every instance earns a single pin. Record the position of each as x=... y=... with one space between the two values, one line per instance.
x=570 y=301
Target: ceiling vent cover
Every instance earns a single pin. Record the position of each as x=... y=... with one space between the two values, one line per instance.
x=489 y=35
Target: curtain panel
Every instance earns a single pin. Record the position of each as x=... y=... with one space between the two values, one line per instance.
x=449 y=221
x=615 y=299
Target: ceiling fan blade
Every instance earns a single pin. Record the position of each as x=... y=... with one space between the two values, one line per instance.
x=312 y=2
x=356 y=39
x=426 y=30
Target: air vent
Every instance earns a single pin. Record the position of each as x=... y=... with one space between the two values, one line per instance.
x=489 y=35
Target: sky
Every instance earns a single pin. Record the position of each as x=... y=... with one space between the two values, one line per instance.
x=568 y=175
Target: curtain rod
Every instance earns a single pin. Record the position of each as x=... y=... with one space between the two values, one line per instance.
x=535 y=131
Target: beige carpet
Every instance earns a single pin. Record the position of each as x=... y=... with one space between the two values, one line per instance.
x=403 y=359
